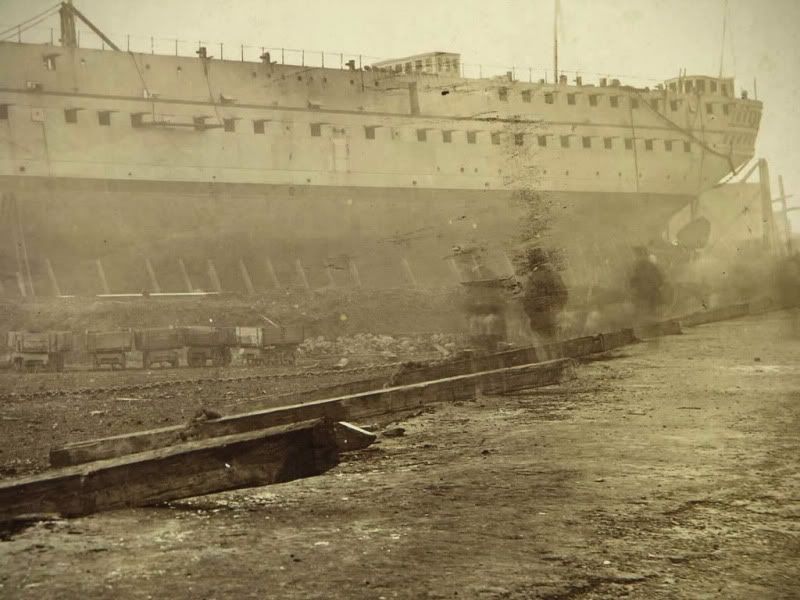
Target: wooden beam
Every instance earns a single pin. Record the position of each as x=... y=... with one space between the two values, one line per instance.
x=192 y=468
x=52 y=275
x=412 y=280
x=187 y=281
x=715 y=314
x=273 y=277
x=23 y=291
x=451 y=262
x=248 y=282
x=765 y=305
x=151 y=273
x=329 y=274
x=767 y=218
x=383 y=404
x=574 y=348
x=355 y=276
x=659 y=329
x=102 y=275
x=787 y=224
x=510 y=270
x=213 y=277
x=301 y=274
x=414 y=373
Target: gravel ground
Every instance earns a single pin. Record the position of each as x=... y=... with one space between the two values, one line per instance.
x=670 y=471
x=93 y=405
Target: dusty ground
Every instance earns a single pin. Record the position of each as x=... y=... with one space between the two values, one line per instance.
x=94 y=404
x=669 y=472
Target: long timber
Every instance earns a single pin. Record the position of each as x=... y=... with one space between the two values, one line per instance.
x=574 y=348
x=192 y=468
x=367 y=406
x=716 y=314
x=659 y=329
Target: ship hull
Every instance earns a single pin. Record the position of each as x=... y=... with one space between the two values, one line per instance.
x=338 y=235
x=335 y=176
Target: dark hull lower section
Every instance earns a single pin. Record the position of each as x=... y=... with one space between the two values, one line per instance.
x=391 y=235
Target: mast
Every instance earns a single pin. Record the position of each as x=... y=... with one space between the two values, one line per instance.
x=555 y=40
x=69 y=36
x=724 y=31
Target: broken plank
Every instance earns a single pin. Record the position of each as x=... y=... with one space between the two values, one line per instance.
x=370 y=405
x=350 y=437
x=253 y=458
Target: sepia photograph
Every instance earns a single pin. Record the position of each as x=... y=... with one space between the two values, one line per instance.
x=400 y=299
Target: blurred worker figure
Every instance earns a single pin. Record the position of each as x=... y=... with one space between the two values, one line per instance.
x=485 y=302
x=543 y=293
x=486 y=307
x=647 y=285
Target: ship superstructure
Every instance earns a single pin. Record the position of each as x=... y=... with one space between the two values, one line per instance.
x=326 y=161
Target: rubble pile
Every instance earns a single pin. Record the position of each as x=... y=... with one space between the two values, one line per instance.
x=377 y=346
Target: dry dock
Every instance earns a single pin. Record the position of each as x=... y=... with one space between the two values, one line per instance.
x=667 y=470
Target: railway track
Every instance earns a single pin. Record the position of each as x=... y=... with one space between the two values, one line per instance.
x=660 y=328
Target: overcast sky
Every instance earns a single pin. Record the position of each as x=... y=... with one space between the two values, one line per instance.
x=646 y=38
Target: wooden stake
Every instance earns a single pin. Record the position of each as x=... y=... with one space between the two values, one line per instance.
x=767 y=219
x=21 y=284
x=24 y=244
x=186 y=279
x=787 y=224
x=152 y=274
x=212 y=275
x=408 y=272
x=329 y=273
x=248 y=283
x=52 y=275
x=273 y=277
x=301 y=274
x=102 y=274
x=451 y=262
x=509 y=265
x=354 y=274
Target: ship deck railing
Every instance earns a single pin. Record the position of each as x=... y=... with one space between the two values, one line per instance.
x=297 y=56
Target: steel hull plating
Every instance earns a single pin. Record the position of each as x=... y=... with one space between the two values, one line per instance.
x=340 y=235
